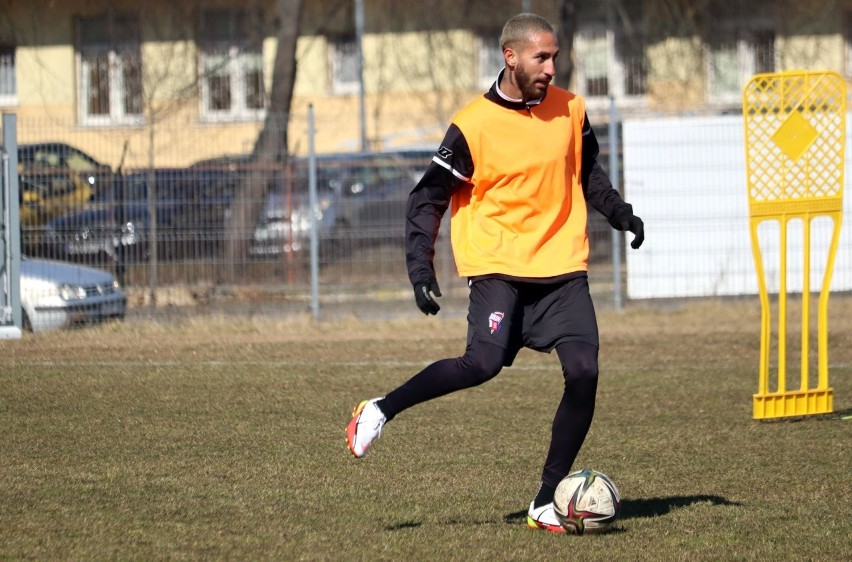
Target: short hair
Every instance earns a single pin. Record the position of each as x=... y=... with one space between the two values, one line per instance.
x=519 y=28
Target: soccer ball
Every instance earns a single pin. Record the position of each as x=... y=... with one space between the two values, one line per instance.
x=586 y=501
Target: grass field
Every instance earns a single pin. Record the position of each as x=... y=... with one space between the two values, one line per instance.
x=204 y=440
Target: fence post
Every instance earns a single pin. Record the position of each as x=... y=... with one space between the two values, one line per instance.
x=312 y=206
x=615 y=177
x=12 y=319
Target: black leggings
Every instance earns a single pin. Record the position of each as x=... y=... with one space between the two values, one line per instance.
x=482 y=362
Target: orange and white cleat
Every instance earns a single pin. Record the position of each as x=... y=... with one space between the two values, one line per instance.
x=365 y=427
x=544 y=518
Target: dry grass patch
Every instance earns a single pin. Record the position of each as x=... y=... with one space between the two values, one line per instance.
x=222 y=438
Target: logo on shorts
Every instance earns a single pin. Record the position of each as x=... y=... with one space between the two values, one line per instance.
x=494 y=321
x=444 y=152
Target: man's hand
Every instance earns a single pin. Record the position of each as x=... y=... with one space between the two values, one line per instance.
x=635 y=225
x=422 y=296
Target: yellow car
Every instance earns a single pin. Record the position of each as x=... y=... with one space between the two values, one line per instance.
x=48 y=193
x=56 y=178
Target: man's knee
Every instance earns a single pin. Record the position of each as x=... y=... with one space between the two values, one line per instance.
x=482 y=363
x=579 y=363
x=581 y=372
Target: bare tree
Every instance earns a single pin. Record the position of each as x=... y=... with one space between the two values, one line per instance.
x=271 y=147
x=161 y=98
x=446 y=66
x=443 y=76
x=566 y=28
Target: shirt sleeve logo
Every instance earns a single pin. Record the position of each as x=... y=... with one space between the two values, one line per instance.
x=444 y=152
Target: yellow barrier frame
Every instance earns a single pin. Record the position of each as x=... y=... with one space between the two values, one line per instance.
x=795 y=134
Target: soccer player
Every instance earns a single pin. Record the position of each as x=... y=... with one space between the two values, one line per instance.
x=518 y=165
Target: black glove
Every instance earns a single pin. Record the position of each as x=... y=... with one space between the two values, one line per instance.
x=425 y=302
x=635 y=225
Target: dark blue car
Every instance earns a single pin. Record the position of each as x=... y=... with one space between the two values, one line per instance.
x=189 y=205
x=361 y=201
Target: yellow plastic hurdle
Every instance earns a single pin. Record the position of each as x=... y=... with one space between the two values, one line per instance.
x=795 y=133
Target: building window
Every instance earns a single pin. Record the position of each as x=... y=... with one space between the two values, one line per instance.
x=110 y=70
x=593 y=63
x=489 y=58
x=733 y=60
x=231 y=62
x=610 y=65
x=631 y=67
x=8 y=87
x=343 y=52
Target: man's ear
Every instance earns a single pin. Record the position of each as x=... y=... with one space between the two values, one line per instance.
x=510 y=57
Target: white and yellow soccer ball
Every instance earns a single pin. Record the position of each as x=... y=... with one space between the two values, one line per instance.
x=586 y=501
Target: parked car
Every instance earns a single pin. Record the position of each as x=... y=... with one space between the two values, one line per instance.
x=371 y=195
x=361 y=200
x=272 y=235
x=190 y=206
x=56 y=295
x=56 y=178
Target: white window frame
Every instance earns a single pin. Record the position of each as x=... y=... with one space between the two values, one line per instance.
x=489 y=58
x=342 y=57
x=744 y=49
x=616 y=74
x=238 y=61
x=117 y=52
x=583 y=44
x=240 y=55
x=9 y=99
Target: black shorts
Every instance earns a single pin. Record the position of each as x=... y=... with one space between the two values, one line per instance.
x=514 y=315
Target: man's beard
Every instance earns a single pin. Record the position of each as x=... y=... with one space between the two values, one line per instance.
x=529 y=91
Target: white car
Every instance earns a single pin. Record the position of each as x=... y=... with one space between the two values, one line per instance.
x=57 y=294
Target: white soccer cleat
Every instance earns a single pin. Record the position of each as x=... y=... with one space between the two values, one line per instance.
x=365 y=426
x=544 y=517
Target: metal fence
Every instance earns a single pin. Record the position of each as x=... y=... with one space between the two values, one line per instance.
x=235 y=228
x=234 y=223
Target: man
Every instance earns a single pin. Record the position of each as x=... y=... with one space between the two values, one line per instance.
x=518 y=166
